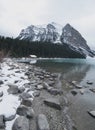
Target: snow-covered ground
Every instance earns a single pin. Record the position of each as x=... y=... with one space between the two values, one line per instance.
x=11 y=72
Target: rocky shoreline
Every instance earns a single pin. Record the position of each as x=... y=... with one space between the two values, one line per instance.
x=41 y=101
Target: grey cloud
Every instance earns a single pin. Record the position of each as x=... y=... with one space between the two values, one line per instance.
x=18 y=14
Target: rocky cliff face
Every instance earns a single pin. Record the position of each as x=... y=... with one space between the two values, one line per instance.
x=49 y=33
x=56 y=33
x=73 y=37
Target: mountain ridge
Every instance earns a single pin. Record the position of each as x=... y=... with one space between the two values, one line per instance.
x=57 y=34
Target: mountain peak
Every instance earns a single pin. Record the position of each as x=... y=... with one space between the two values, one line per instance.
x=67 y=25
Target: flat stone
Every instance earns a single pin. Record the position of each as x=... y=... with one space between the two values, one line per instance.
x=92 y=113
x=54 y=75
x=89 y=82
x=78 y=86
x=25 y=111
x=53 y=102
x=2 y=123
x=47 y=76
x=93 y=90
x=54 y=91
x=42 y=122
x=21 y=123
x=17 y=71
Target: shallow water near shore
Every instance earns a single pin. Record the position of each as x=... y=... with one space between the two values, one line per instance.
x=80 y=70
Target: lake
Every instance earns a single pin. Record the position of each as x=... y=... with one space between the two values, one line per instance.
x=80 y=70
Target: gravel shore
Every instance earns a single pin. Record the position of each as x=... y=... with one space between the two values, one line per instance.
x=41 y=99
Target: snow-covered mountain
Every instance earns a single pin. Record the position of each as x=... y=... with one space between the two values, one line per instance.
x=57 y=34
x=49 y=33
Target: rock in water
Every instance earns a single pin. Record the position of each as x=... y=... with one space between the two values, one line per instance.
x=55 y=91
x=53 y=102
x=89 y=82
x=74 y=92
x=42 y=122
x=93 y=90
x=21 y=123
x=92 y=113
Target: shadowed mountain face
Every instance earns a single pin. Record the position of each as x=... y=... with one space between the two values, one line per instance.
x=73 y=37
x=57 y=34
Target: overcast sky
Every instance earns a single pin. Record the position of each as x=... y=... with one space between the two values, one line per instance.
x=18 y=14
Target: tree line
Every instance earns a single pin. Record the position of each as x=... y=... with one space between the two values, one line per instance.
x=22 y=48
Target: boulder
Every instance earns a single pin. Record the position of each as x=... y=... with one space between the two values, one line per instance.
x=45 y=85
x=1 y=93
x=42 y=122
x=25 y=111
x=13 y=90
x=74 y=92
x=1 y=82
x=74 y=82
x=21 y=89
x=27 y=102
x=36 y=93
x=2 y=123
x=39 y=87
x=12 y=85
x=54 y=91
x=82 y=91
x=25 y=95
x=21 y=123
x=9 y=117
x=16 y=81
x=53 y=102
x=51 y=83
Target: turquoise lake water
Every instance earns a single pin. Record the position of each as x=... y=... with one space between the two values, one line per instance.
x=80 y=70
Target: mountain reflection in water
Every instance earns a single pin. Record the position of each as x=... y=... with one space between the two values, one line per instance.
x=79 y=70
